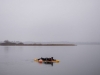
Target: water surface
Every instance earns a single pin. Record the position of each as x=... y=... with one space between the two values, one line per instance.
x=74 y=60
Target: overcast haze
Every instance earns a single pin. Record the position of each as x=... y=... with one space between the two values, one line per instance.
x=50 y=20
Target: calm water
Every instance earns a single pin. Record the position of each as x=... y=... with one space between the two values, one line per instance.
x=74 y=60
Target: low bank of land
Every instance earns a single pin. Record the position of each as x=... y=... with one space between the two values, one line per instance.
x=37 y=45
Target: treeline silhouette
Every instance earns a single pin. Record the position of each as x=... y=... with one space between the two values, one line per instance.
x=7 y=42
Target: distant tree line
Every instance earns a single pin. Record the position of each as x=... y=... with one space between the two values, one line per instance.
x=7 y=42
x=17 y=43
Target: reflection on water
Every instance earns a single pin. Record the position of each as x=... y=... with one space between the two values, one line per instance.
x=6 y=49
x=48 y=63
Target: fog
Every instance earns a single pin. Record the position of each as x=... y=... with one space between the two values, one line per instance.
x=50 y=20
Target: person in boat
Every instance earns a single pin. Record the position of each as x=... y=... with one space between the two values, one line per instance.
x=47 y=59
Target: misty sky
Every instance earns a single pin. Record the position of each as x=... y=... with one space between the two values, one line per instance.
x=50 y=20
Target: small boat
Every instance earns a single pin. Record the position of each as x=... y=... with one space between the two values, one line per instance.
x=40 y=61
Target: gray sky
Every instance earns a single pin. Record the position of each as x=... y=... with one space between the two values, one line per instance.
x=50 y=20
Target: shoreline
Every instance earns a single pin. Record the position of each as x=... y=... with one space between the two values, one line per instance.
x=40 y=45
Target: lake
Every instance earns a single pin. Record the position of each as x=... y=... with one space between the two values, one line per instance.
x=74 y=60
